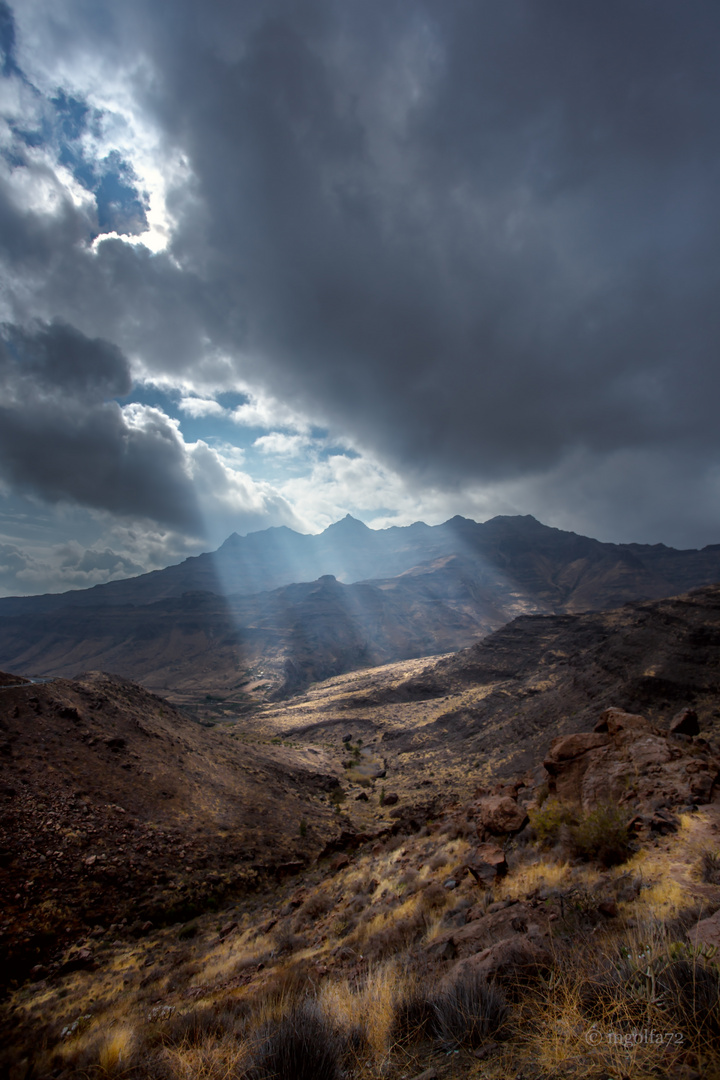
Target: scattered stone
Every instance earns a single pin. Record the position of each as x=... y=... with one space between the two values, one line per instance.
x=116 y=742
x=159 y=1013
x=361 y=796
x=391 y=799
x=485 y=1051
x=442 y=949
x=451 y=883
x=82 y=960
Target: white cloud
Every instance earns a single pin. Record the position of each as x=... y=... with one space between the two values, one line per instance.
x=197 y=406
x=264 y=411
x=281 y=445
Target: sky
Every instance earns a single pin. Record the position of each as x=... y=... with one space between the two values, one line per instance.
x=270 y=263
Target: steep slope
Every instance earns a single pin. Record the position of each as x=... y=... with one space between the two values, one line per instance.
x=114 y=806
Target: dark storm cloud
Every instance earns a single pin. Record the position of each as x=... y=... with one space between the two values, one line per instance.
x=476 y=235
x=480 y=238
x=63 y=437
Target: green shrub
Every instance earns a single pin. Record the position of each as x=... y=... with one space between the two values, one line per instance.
x=602 y=835
x=548 y=819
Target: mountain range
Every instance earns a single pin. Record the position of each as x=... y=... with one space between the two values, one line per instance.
x=270 y=612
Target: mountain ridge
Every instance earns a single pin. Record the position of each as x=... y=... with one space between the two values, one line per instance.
x=213 y=571
x=219 y=622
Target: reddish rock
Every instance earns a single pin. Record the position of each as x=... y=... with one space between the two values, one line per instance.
x=608 y=908
x=500 y=814
x=390 y=799
x=630 y=763
x=483 y=929
x=514 y=958
x=615 y=720
x=706 y=932
x=488 y=862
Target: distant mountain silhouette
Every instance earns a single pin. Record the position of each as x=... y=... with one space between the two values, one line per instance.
x=271 y=601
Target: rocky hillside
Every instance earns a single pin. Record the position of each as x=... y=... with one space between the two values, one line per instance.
x=491 y=710
x=541 y=928
x=115 y=808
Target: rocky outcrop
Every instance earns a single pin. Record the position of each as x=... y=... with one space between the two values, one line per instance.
x=626 y=760
x=488 y=927
x=517 y=958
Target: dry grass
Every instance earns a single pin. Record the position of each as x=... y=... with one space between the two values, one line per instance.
x=363 y=973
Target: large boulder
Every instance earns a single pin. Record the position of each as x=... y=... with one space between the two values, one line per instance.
x=499 y=815
x=706 y=933
x=568 y=761
x=614 y=720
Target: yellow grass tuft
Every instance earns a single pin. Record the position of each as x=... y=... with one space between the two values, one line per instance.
x=116 y=1051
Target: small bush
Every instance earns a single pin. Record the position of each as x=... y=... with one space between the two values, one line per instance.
x=288 y=942
x=414 y=1016
x=469 y=1012
x=433 y=896
x=710 y=867
x=691 y=989
x=197 y=1026
x=548 y=819
x=318 y=904
x=602 y=834
x=300 y=1046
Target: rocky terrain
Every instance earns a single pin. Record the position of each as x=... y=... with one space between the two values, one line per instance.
x=486 y=939
x=117 y=809
x=247 y=620
x=489 y=711
x=451 y=867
